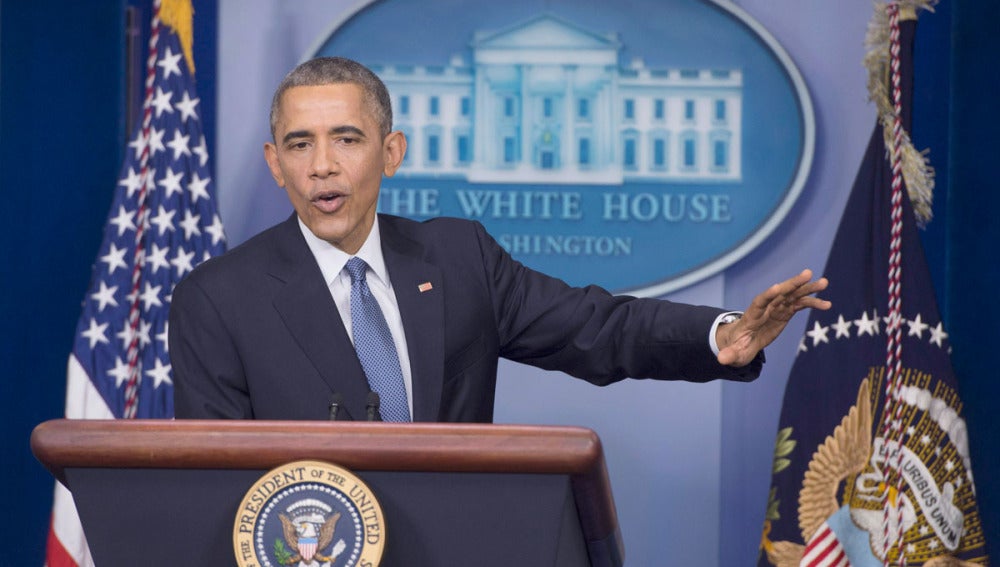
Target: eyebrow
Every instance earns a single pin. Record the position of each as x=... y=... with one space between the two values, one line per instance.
x=295 y=134
x=347 y=130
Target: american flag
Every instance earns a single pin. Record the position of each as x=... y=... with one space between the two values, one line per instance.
x=163 y=221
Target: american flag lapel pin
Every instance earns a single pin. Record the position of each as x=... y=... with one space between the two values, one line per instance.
x=426 y=286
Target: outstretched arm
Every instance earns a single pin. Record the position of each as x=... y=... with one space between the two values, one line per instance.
x=765 y=319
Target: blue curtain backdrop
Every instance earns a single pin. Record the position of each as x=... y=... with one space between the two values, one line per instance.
x=62 y=132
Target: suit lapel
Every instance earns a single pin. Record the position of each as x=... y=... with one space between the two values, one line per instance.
x=309 y=313
x=419 y=292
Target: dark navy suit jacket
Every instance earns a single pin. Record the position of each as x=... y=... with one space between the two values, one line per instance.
x=255 y=333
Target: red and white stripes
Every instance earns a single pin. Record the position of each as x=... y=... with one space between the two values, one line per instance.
x=824 y=550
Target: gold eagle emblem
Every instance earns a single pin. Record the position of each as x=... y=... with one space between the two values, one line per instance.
x=293 y=532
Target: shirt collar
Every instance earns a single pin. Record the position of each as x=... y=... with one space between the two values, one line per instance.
x=332 y=260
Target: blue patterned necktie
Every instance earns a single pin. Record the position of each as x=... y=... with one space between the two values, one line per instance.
x=374 y=346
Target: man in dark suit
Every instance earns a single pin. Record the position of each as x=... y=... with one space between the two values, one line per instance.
x=269 y=330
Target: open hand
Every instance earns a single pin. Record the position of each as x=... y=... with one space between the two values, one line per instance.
x=765 y=319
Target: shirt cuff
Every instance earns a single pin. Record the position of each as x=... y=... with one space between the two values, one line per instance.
x=723 y=317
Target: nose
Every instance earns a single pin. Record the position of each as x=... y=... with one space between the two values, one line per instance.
x=324 y=160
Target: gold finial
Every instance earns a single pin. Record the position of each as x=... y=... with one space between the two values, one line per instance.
x=179 y=14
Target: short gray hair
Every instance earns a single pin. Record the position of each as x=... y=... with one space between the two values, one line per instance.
x=333 y=71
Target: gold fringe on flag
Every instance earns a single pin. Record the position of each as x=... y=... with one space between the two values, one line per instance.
x=917 y=171
x=179 y=14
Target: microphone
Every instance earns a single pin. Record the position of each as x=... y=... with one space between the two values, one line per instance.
x=373 y=405
x=335 y=402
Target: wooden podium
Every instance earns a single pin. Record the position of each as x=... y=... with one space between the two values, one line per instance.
x=163 y=492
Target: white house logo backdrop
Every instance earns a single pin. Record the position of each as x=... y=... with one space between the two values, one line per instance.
x=642 y=146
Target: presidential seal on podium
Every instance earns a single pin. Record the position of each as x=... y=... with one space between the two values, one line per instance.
x=309 y=514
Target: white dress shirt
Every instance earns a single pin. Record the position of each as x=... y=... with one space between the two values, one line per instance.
x=331 y=262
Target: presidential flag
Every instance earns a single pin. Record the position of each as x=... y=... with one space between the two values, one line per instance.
x=856 y=480
x=163 y=221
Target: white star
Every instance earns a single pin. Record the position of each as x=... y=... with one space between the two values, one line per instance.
x=190 y=224
x=925 y=439
x=119 y=372
x=842 y=327
x=202 y=151
x=123 y=220
x=132 y=183
x=125 y=335
x=151 y=296
x=162 y=337
x=924 y=530
x=910 y=548
x=142 y=218
x=115 y=258
x=917 y=327
x=95 y=333
x=156 y=140
x=187 y=107
x=150 y=179
x=105 y=296
x=867 y=326
x=949 y=465
x=938 y=335
x=893 y=321
x=162 y=102
x=171 y=182
x=164 y=220
x=157 y=258
x=169 y=63
x=160 y=374
x=933 y=544
x=144 y=329
x=911 y=430
x=138 y=144
x=216 y=230
x=179 y=144
x=198 y=187
x=818 y=333
x=802 y=345
x=182 y=261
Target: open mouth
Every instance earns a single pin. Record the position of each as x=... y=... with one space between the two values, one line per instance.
x=329 y=202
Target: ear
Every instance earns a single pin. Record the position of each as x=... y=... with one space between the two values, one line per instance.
x=393 y=150
x=271 y=157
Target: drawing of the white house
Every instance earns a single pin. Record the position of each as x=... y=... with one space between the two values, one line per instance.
x=545 y=101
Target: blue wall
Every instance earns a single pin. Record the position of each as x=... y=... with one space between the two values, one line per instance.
x=61 y=139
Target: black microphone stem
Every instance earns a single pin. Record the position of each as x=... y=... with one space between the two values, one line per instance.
x=335 y=402
x=373 y=407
